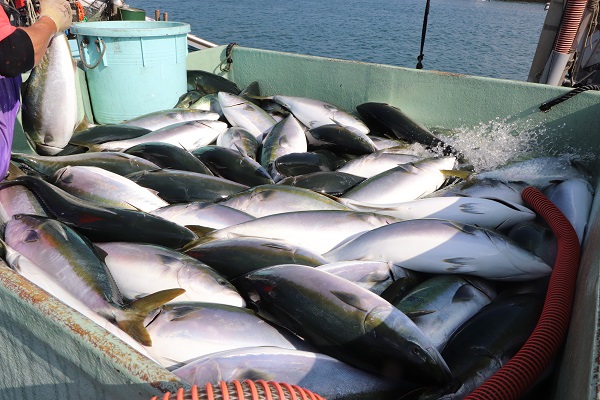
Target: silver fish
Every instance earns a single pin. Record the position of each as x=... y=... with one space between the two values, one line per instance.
x=245 y=114
x=573 y=197
x=402 y=183
x=209 y=215
x=444 y=247
x=294 y=367
x=442 y=303
x=263 y=200
x=486 y=213
x=189 y=135
x=537 y=172
x=239 y=139
x=375 y=276
x=375 y=163
x=16 y=200
x=140 y=269
x=50 y=110
x=287 y=136
x=160 y=119
x=184 y=331
x=46 y=281
x=314 y=113
x=68 y=257
x=106 y=188
x=317 y=231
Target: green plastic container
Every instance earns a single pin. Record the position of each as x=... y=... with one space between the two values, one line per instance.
x=132 y=67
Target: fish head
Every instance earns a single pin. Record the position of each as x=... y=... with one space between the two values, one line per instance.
x=205 y=280
x=418 y=359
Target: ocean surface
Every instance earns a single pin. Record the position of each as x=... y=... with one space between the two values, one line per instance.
x=476 y=37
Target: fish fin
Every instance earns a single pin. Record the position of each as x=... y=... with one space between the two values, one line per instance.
x=32 y=236
x=417 y=313
x=138 y=310
x=456 y=173
x=200 y=230
x=349 y=298
x=464 y=293
x=253 y=374
x=14 y=171
x=278 y=246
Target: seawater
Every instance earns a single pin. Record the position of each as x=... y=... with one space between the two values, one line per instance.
x=487 y=38
x=494 y=39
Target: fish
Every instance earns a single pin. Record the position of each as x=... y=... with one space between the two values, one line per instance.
x=19 y=200
x=187 y=99
x=314 y=113
x=166 y=155
x=189 y=135
x=345 y=321
x=45 y=281
x=443 y=247
x=389 y=120
x=184 y=331
x=245 y=114
x=206 y=82
x=405 y=182
x=536 y=237
x=333 y=183
x=69 y=258
x=538 y=172
x=340 y=139
x=82 y=140
x=106 y=188
x=205 y=214
x=263 y=200
x=208 y=102
x=494 y=189
x=295 y=367
x=232 y=165
x=175 y=186
x=100 y=223
x=318 y=231
x=440 y=305
x=287 y=136
x=163 y=118
x=573 y=197
x=235 y=257
x=50 y=110
x=119 y=163
x=139 y=269
x=375 y=276
x=239 y=139
x=488 y=213
x=485 y=343
x=377 y=162
x=294 y=164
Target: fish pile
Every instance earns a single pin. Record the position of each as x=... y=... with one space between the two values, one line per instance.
x=280 y=238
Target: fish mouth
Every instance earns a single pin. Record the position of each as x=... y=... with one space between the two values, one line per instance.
x=47 y=150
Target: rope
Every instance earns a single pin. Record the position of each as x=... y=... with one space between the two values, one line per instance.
x=545 y=107
x=423 y=33
x=82 y=58
x=228 y=59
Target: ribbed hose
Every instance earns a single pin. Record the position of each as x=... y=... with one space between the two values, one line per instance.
x=520 y=373
x=246 y=390
x=569 y=25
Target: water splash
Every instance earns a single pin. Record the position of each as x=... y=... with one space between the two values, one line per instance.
x=497 y=143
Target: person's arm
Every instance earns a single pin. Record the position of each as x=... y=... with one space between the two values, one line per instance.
x=40 y=34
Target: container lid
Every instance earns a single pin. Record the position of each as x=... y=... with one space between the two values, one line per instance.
x=129 y=28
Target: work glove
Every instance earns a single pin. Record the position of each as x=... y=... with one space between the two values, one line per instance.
x=59 y=11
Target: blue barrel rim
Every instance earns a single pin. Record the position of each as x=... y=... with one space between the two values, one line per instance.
x=129 y=28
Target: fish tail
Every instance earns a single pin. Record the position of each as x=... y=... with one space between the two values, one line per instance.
x=135 y=314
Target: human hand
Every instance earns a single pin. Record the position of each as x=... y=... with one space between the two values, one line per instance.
x=59 y=11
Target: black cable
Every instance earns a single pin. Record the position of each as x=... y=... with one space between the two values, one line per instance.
x=545 y=107
x=423 y=33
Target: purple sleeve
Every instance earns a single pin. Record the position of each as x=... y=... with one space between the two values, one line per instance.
x=9 y=106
